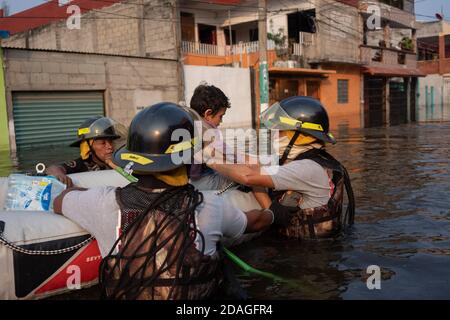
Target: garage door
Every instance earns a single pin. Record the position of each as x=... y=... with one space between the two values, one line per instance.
x=49 y=118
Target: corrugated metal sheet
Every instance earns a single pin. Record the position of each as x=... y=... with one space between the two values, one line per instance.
x=52 y=118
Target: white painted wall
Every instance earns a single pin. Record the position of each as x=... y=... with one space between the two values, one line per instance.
x=438 y=107
x=234 y=82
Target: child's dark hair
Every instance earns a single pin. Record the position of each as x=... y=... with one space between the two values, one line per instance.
x=208 y=97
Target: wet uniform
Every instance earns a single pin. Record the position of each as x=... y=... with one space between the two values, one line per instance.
x=80 y=165
x=98 y=212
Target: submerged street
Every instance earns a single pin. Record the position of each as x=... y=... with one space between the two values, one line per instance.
x=401 y=181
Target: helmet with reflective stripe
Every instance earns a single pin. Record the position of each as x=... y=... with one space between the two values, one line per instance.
x=96 y=127
x=304 y=114
x=160 y=138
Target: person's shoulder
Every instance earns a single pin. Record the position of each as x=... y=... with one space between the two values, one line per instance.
x=73 y=163
x=97 y=192
x=75 y=166
x=97 y=198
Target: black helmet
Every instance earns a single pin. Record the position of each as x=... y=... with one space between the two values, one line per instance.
x=304 y=114
x=151 y=146
x=96 y=127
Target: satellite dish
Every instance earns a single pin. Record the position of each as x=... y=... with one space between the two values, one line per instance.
x=439 y=16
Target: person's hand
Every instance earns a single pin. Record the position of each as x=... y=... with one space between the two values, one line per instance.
x=59 y=174
x=65 y=179
x=282 y=214
x=205 y=155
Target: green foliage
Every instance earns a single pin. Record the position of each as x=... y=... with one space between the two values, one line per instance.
x=407 y=44
x=278 y=38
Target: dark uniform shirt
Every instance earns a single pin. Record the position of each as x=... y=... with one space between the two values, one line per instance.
x=80 y=165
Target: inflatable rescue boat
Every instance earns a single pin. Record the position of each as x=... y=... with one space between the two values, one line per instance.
x=44 y=254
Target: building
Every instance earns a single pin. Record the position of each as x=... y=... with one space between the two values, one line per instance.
x=389 y=57
x=306 y=54
x=434 y=60
x=48 y=12
x=123 y=58
x=364 y=76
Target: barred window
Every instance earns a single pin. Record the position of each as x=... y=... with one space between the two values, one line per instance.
x=342 y=91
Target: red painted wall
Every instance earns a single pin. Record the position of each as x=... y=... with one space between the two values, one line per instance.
x=353 y=3
x=47 y=13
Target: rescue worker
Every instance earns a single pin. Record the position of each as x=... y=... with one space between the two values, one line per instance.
x=95 y=140
x=159 y=237
x=308 y=185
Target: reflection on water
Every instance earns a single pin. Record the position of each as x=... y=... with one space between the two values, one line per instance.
x=401 y=179
x=433 y=112
x=26 y=160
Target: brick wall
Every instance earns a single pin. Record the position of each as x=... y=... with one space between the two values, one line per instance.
x=144 y=28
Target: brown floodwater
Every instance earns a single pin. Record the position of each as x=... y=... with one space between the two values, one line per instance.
x=401 y=181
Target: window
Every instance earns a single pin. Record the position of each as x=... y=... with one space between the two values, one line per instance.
x=342 y=91
x=187 y=27
x=227 y=36
x=302 y=21
x=394 y=3
x=253 y=34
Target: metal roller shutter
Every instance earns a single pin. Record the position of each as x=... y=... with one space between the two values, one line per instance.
x=52 y=118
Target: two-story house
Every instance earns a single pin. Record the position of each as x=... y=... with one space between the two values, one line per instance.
x=310 y=51
x=365 y=74
x=389 y=58
x=433 y=40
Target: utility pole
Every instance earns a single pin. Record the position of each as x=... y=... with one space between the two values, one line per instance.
x=229 y=29
x=230 y=33
x=176 y=13
x=263 y=67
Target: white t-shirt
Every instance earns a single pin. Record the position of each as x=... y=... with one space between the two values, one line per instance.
x=305 y=176
x=96 y=210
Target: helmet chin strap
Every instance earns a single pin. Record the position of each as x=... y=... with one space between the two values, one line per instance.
x=94 y=155
x=289 y=147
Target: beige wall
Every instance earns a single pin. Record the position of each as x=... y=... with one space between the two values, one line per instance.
x=128 y=83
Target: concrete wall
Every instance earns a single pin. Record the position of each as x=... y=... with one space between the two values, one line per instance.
x=342 y=114
x=433 y=101
x=430 y=29
x=339 y=33
x=234 y=82
x=129 y=83
x=408 y=6
x=147 y=29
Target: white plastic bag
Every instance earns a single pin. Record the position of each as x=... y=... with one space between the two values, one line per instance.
x=32 y=192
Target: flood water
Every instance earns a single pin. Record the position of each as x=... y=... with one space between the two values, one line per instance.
x=401 y=181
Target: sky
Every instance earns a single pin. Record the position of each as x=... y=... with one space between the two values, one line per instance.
x=423 y=7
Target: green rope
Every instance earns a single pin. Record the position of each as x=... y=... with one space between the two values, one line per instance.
x=126 y=175
x=250 y=269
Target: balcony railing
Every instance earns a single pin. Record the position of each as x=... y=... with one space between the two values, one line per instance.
x=214 y=50
x=297 y=49
x=377 y=56
x=199 y=48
